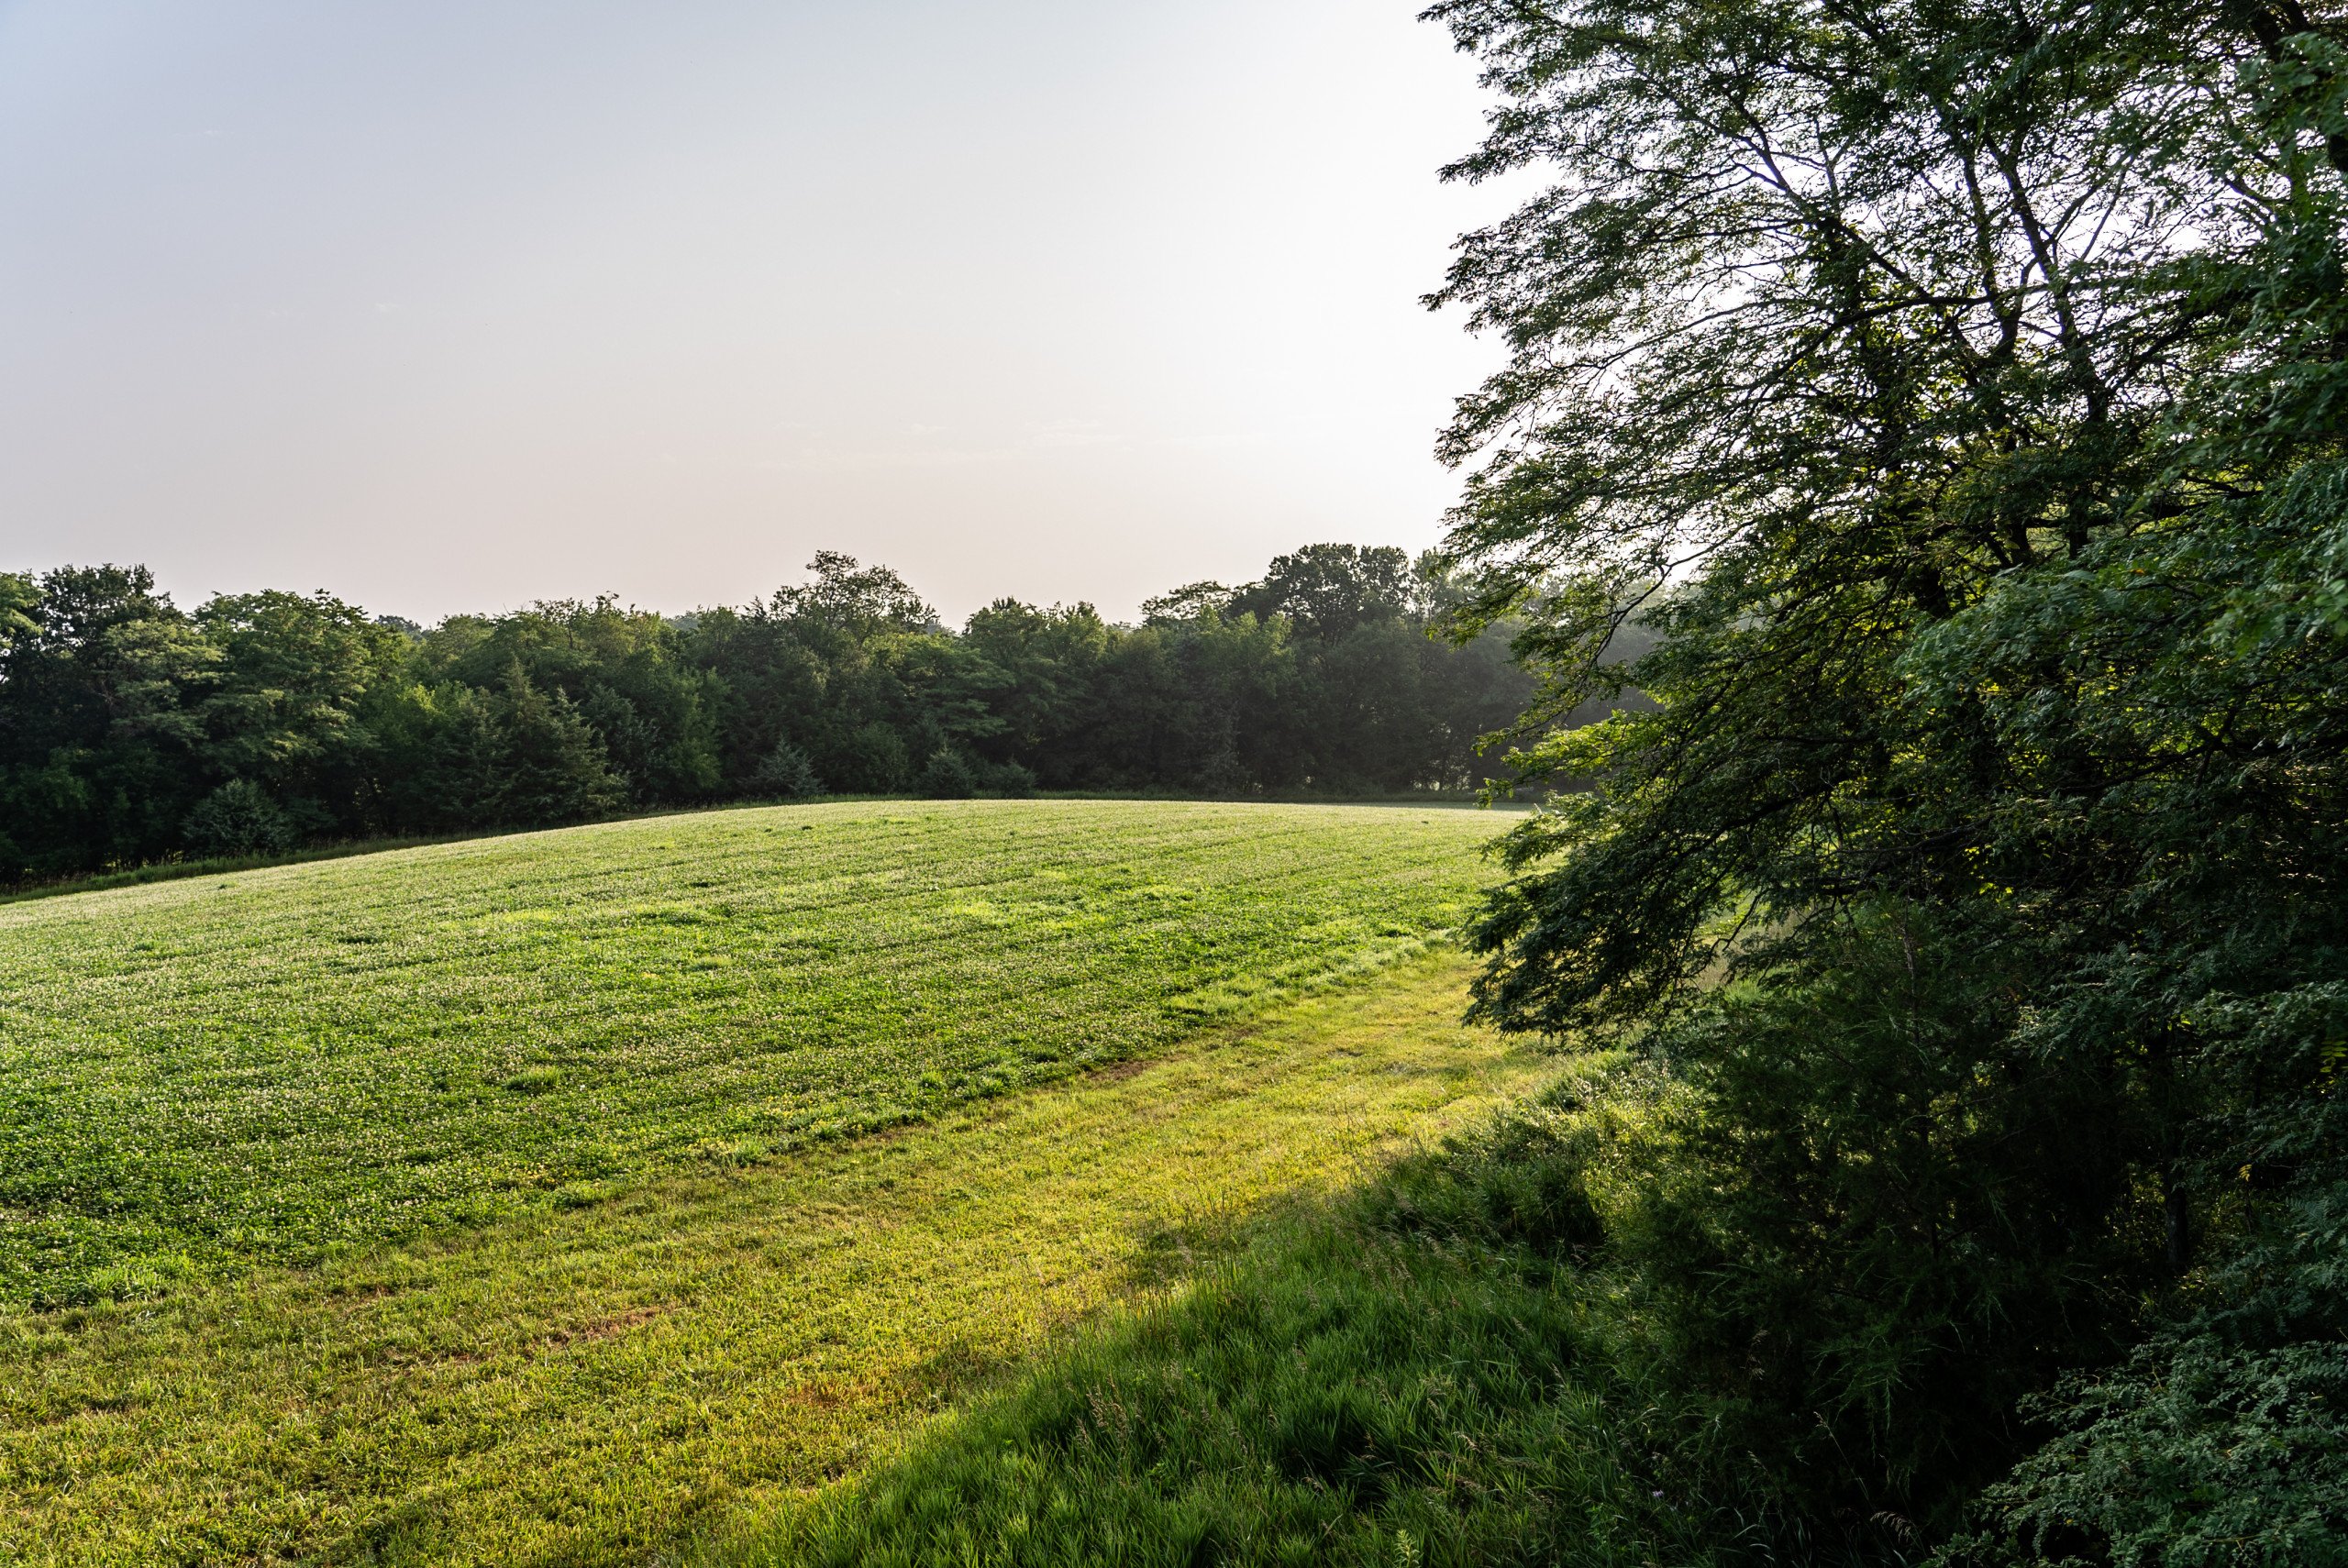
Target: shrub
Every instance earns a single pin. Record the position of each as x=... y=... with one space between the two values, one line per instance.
x=872 y=760
x=239 y=818
x=2222 y=1440
x=1872 y=1208
x=1010 y=779
x=948 y=776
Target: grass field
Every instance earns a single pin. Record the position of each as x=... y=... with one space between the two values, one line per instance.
x=265 y=1066
x=1434 y=1368
x=565 y=1198
x=600 y=1384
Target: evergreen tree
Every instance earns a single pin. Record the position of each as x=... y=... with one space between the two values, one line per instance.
x=552 y=767
x=239 y=818
x=786 y=774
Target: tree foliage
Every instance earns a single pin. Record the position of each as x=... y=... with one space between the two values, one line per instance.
x=1958 y=393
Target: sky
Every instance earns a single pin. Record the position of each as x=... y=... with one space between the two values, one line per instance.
x=448 y=306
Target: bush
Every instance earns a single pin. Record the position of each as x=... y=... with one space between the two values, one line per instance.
x=872 y=760
x=239 y=818
x=2194 y=1453
x=1872 y=1209
x=948 y=776
x=2222 y=1440
x=1009 y=779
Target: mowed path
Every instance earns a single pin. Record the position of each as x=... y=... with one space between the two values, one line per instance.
x=598 y=1385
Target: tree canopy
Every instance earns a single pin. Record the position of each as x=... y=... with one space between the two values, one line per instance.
x=1957 y=393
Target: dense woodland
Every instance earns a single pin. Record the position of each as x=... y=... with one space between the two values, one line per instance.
x=134 y=731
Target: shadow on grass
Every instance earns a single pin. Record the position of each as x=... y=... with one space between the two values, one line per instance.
x=1431 y=1369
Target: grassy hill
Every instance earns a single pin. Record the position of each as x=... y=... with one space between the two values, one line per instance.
x=498 y=1201
x=264 y=1064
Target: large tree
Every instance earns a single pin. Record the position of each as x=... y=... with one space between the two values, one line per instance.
x=1958 y=390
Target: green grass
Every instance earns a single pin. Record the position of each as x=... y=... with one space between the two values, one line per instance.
x=1433 y=1368
x=267 y=1067
x=182 y=869
x=604 y=1384
x=211 y=866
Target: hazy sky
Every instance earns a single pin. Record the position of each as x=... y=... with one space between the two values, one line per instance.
x=447 y=305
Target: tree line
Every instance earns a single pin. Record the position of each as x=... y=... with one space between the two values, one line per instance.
x=134 y=731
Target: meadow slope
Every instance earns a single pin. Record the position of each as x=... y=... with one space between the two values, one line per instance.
x=602 y=1384
x=269 y=1065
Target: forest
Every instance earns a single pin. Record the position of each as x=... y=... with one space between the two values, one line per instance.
x=132 y=731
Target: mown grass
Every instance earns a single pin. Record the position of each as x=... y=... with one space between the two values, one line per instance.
x=263 y=1067
x=181 y=868
x=1433 y=1368
x=599 y=1383
x=214 y=866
